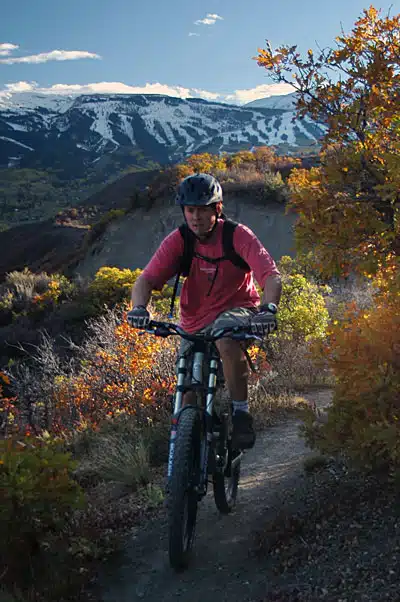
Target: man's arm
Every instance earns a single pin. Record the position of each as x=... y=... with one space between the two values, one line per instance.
x=260 y=261
x=272 y=289
x=141 y=291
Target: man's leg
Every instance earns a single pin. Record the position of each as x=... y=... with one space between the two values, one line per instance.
x=235 y=366
x=236 y=373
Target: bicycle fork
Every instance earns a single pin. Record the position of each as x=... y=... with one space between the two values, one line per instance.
x=180 y=388
x=197 y=378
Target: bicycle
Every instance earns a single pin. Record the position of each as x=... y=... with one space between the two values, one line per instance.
x=200 y=438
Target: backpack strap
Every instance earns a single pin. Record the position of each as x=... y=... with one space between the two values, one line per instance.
x=185 y=261
x=227 y=245
x=188 y=249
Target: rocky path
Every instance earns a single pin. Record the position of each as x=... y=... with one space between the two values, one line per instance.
x=222 y=568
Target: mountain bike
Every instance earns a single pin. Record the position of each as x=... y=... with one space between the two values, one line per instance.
x=200 y=439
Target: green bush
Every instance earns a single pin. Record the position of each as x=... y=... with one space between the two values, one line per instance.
x=38 y=496
x=303 y=313
x=302 y=320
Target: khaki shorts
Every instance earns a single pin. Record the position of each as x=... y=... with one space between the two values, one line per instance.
x=238 y=316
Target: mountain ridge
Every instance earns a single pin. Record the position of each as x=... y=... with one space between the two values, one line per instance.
x=83 y=129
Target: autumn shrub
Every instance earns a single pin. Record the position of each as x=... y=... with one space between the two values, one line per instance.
x=274 y=187
x=114 y=370
x=112 y=286
x=364 y=353
x=27 y=293
x=38 y=497
x=302 y=320
x=121 y=371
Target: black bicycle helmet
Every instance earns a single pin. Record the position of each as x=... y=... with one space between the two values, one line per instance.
x=201 y=189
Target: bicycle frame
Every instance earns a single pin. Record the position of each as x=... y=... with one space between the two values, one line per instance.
x=202 y=351
x=203 y=348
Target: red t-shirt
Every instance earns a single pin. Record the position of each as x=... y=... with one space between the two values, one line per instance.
x=233 y=287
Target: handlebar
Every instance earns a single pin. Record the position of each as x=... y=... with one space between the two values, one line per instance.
x=166 y=329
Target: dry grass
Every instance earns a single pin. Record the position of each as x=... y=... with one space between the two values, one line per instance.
x=119 y=460
x=296 y=369
x=268 y=409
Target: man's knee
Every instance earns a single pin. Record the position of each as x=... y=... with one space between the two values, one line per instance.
x=233 y=358
x=229 y=349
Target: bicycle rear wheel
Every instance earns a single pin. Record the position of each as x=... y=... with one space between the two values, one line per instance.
x=182 y=490
x=226 y=477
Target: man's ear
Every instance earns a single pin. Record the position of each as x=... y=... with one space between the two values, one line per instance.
x=219 y=209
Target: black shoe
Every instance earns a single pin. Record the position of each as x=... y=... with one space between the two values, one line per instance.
x=244 y=436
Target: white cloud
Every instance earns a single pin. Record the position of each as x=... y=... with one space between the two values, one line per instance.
x=262 y=91
x=209 y=19
x=54 y=55
x=20 y=87
x=238 y=97
x=191 y=33
x=6 y=49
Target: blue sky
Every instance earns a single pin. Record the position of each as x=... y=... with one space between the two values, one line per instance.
x=161 y=46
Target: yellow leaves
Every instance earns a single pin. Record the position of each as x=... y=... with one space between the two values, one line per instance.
x=205 y=162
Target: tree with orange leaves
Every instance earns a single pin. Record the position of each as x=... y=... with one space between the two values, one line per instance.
x=349 y=206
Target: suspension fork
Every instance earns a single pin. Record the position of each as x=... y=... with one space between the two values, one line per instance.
x=178 y=400
x=208 y=418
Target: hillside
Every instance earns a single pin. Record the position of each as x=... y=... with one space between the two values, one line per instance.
x=85 y=239
x=130 y=241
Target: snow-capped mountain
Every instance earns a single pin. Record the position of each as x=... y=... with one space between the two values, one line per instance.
x=284 y=102
x=75 y=133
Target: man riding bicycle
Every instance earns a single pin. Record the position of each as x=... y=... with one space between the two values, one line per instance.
x=219 y=289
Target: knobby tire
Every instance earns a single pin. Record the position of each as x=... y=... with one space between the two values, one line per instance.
x=182 y=492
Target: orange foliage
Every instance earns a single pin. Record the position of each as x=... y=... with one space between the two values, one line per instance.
x=135 y=376
x=364 y=352
x=125 y=380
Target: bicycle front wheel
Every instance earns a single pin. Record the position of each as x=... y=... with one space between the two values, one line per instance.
x=182 y=490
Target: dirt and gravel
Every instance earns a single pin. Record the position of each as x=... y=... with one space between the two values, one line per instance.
x=293 y=536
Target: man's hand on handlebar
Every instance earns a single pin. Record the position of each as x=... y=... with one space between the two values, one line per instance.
x=138 y=317
x=264 y=322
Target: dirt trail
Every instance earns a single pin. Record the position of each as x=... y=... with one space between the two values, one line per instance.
x=221 y=568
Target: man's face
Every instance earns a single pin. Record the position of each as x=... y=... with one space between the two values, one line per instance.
x=200 y=219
